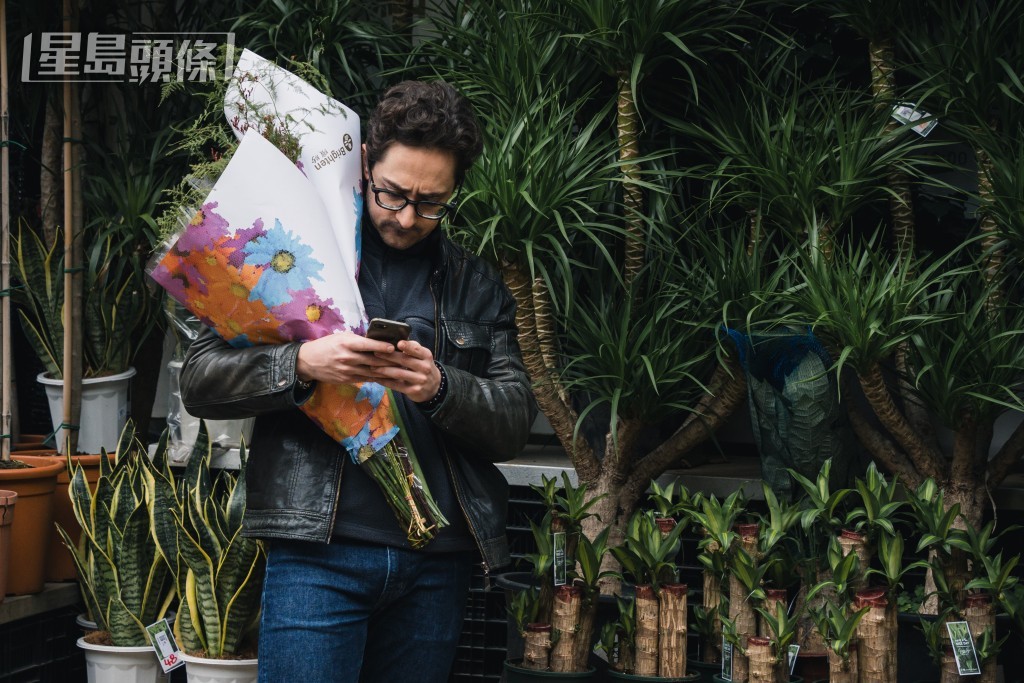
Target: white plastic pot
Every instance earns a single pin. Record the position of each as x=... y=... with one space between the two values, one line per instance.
x=112 y=664
x=203 y=670
x=104 y=410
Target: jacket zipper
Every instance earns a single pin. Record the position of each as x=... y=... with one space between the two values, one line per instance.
x=447 y=459
x=337 y=497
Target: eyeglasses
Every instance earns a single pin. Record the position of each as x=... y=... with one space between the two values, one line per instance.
x=393 y=201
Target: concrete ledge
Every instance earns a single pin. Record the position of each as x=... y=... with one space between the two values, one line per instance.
x=53 y=596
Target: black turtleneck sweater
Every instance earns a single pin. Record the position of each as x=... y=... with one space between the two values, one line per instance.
x=395 y=284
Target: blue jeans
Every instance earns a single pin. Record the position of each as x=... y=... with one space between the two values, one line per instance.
x=349 y=612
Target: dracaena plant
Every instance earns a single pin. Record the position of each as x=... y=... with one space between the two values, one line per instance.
x=218 y=572
x=125 y=583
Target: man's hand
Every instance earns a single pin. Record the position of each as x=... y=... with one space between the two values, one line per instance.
x=346 y=358
x=410 y=370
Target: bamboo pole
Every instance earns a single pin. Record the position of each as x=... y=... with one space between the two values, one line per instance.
x=5 y=245
x=67 y=436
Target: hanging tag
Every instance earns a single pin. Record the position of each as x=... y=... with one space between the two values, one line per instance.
x=907 y=112
x=963 y=648
x=558 y=554
x=726 y=660
x=162 y=639
x=791 y=654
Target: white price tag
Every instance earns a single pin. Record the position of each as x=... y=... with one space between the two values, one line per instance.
x=162 y=639
x=907 y=113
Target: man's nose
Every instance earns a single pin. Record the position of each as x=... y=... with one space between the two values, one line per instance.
x=407 y=216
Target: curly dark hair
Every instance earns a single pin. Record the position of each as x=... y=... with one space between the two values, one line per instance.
x=430 y=115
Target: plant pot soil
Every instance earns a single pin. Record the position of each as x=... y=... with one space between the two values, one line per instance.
x=30 y=533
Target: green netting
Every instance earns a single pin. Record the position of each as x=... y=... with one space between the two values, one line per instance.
x=795 y=413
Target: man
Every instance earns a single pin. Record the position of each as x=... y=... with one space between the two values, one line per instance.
x=345 y=597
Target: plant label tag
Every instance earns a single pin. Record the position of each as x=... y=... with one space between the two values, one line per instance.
x=907 y=113
x=791 y=654
x=558 y=553
x=162 y=639
x=726 y=660
x=963 y=648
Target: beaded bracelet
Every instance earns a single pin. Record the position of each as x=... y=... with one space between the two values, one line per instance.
x=442 y=390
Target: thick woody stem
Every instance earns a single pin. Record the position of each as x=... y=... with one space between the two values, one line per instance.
x=761 y=659
x=712 y=599
x=646 y=632
x=873 y=647
x=672 y=628
x=546 y=386
x=536 y=646
x=565 y=626
x=926 y=462
x=727 y=391
x=627 y=120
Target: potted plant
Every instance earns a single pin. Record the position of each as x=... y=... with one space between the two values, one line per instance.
x=124 y=580
x=555 y=613
x=217 y=572
x=716 y=521
x=116 y=311
x=654 y=626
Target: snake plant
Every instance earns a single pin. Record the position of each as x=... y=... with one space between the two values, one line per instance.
x=218 y=572
x=124 y=580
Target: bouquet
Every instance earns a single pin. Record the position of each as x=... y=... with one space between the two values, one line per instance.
x=272 y=255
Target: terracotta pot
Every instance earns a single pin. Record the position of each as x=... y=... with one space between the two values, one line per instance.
x=31 y=530
x=61 y=567
x=7 y=501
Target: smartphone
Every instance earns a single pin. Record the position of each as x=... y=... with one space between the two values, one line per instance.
x=391 y=331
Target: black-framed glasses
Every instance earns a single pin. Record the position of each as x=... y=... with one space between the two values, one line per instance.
x=393 y=201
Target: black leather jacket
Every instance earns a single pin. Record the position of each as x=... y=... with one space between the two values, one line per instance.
x=294 y=473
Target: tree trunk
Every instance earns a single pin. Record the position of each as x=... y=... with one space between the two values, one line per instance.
x=627 y=123
x=646 y=632
x=536 y=646
x=854 y=542
x=741 y=610
x=807 y=634
x=842 y=670
x=711 y=653
x=740 y=666
x=872 y=636
x=565 y=626
x=672 y=631
x=948 y=673
x=773 y=596
x=980 y=614
x=588 y=614
x=761 y=658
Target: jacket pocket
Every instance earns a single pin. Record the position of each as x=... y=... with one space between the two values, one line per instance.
x=470 y=344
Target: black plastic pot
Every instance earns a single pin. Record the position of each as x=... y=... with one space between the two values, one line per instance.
x=692 y=677
x=517 y=674
x=706 y=670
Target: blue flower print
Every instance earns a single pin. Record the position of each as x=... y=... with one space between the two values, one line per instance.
x=287 y=265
